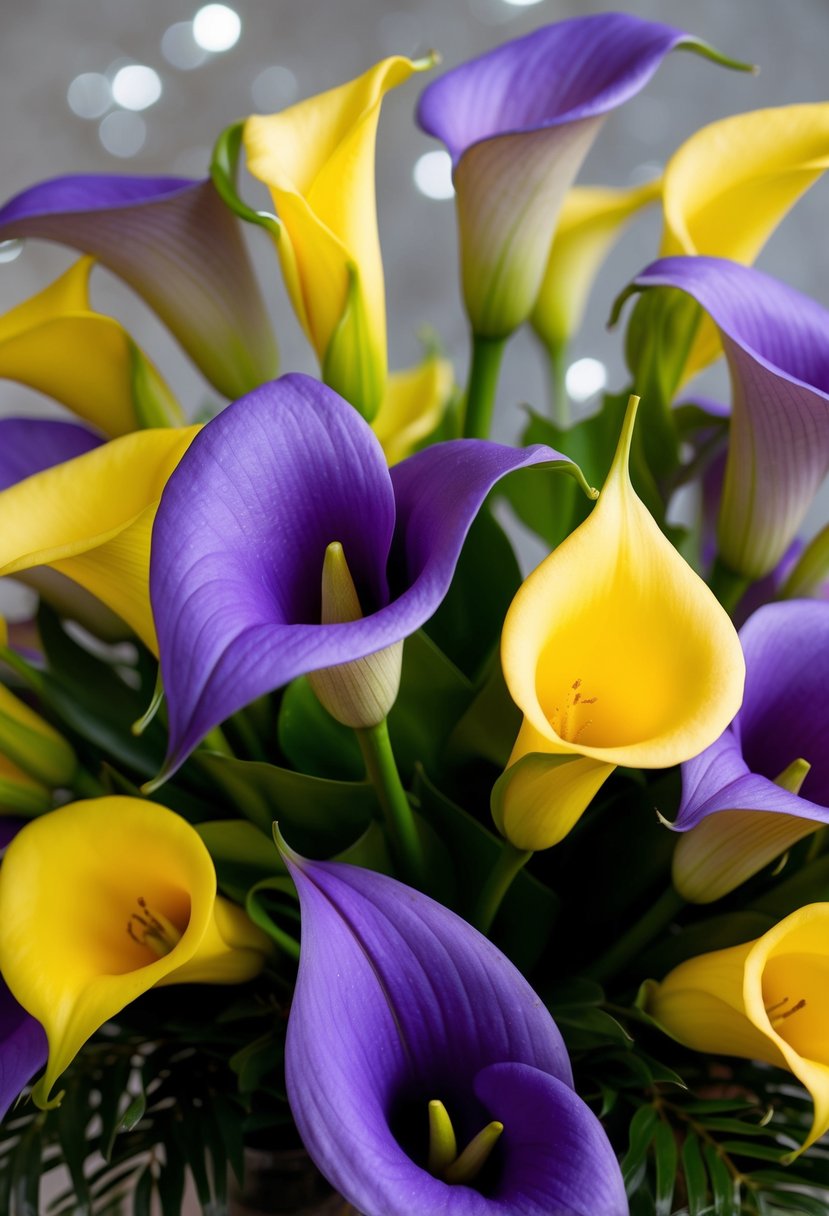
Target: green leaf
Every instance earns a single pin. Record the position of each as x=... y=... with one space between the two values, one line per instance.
x=723 y=1187
x=488 y=728
x=433 y=695
x=25 y=1188
x=133 y=1115
x=143 y=1193
x=312 y=740
x=748 y=1148
x=170 y=1185
x=73 y=1117
x=666 y=1156
x=696 y=1178
x=634 y=1163
x=242 y=854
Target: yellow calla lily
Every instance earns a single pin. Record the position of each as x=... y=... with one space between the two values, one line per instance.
x=21 y=794
x=101 y=901
x=317 y=159
x=33 y=744
x=592 y=218
x=728 y=187
x=617 y=653
x=93 y=366
x=90 y=519
x=412 y=406
x=765 y=1000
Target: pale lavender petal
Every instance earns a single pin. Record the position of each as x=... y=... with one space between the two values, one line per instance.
x=29 y=445
x=398 y=1002
x=23 y=1048
x=173 y=241
x=241 y=533
x=777 y=345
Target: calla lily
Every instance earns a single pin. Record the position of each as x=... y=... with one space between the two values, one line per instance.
x=32 y=744
x=765 y=1000
x=776 y=342
x=94 y=368
x=592 y=219
x=317 y=159
x=404 y=1015
x=242 y=533
x=617 y=653
x=101 y=901
x=413 y=405
x=174 y=242
x=764 y=784
x=518 y=122
x=20 y=794
x=89 y=517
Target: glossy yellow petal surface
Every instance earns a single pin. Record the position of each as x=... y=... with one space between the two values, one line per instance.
x=591 y=220
x=317 y=158
x=90 y=518
x=614 y=648
x=412 y=406
x=766 y=1000
x=56 y=344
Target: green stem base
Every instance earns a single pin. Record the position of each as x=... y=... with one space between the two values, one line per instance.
x=381 y=770
x=510 y=862
x=483 y=383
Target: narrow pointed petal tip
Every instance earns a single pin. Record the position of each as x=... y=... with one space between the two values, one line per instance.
x=775 y=341
x=518 y=128
x=174 y=242
x=387 y=1019
x=243 y=527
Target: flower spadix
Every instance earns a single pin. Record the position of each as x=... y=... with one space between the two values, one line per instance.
x=617 y=653
x=317 y=159
x=175 y=243
x=93 y=366
x=764 y=784
x=518 y=122
x=242 y=532
x=765 y=1000
x=101 y=901
x=423 y=1072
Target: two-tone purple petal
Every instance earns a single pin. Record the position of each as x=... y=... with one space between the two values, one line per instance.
x=776 y=341
x=241 y=534
x=174 y=242
x=399 y=1002
x=518 y=122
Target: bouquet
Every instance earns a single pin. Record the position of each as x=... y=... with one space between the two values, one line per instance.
x=338 y=853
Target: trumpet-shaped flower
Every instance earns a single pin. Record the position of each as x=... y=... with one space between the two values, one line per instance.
x=317 y=159
x=413 y=406
x=518 y=122
x=32 y=744
x=173 y=241
x=617 y=653
x=765 y=1000
x=405 y=1016
x=93 y=366
x=86 y=509
x=776 y=342
x=739 y=808
x=101 y=901
x=243 y=529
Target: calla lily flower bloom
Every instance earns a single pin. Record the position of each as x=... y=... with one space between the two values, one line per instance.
x=405 y=1018
x=765 y=1000
x=32 y=744
x=518 y=122
x=617 y=653
x=101 y=901
x=265 y=494
x=776 y=341
x=94 y=368
x=85 y=508
x=413 y=406
x=173 y=241
x=317 y=159
x=764 y=784
x=20 y=794
x=592 y=219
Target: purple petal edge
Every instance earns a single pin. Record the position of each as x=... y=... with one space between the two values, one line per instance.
x=30 y=445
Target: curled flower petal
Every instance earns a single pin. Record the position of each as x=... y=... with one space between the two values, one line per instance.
x=413 y=406
x=518 y=122
x=776 y=343
x=173 y=241
x=23 y=1047
x=30 y=445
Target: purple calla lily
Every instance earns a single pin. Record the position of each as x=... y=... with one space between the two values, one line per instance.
x=173 y=241
x=242 y=531
x=30 y=445
x=776 y=341
x=398 y=1003
x=739 y=807
x=518 y=122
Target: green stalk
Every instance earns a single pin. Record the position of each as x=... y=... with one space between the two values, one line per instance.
x=728 y=586
x=509 y=864
x=483 y=383
x=560 y=412
x=381 y=770
x=637 y=937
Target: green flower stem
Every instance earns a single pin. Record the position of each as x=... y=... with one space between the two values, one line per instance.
x=728 y=586
x=637 y=937
x=560 y=412
x=483 y=383
x=510 y=862
x=84 y=785
x=381 y=770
